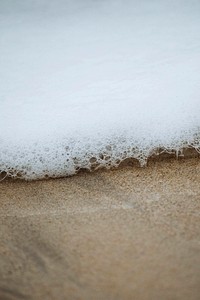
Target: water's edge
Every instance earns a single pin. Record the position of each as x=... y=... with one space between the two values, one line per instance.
x=159 y=154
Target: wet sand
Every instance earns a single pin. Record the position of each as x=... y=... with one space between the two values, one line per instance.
x=132 y=233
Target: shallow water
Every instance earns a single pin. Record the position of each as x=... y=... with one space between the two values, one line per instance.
x=93 y=83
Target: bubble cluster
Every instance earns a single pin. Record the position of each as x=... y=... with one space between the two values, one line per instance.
x=57 y=159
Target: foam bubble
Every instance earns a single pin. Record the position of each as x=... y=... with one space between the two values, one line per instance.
x=87 y=85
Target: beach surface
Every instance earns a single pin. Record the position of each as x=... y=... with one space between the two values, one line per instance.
x=131 y=233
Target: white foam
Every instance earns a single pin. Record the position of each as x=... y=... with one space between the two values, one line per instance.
x=84 y=82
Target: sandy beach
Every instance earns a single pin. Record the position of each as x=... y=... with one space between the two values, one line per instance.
x=131 y=233
x=99 y=150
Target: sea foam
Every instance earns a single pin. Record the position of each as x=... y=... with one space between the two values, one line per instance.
x=87 y=84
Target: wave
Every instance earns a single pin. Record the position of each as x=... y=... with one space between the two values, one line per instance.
x=89 y=85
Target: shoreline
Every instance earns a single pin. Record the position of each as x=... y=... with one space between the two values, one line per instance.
x=157 y=155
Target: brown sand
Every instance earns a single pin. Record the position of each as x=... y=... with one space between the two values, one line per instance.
x=131 y=233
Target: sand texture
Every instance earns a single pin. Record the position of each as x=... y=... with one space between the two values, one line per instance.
x=132 y=233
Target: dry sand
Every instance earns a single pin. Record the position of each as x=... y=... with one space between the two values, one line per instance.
x=132 y=233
